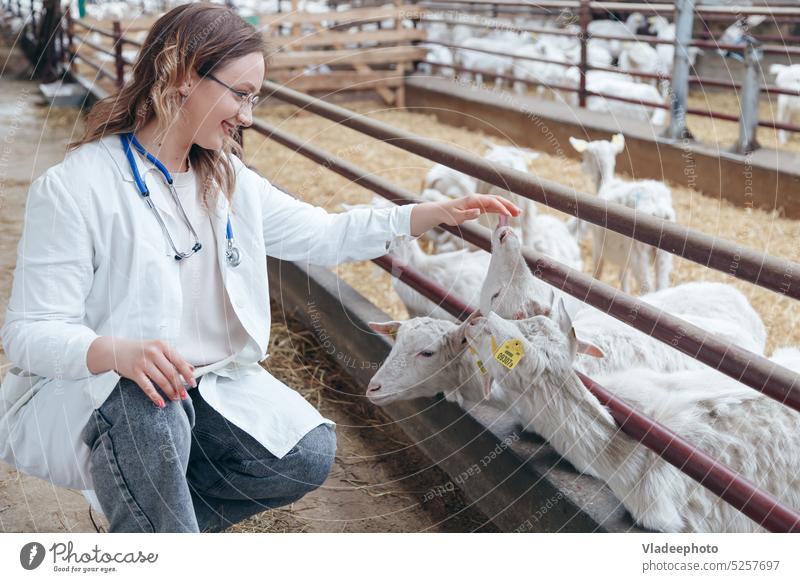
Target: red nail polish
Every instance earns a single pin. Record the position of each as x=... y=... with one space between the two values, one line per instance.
x=161 y=403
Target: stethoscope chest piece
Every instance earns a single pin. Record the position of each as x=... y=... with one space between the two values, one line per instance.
x=232 y=255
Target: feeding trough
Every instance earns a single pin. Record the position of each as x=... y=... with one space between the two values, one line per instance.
x=61 y=94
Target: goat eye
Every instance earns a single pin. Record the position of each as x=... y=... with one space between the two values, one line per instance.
x=426 y=353
x=495 y=295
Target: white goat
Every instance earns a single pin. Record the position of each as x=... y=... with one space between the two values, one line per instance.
x=716 y=307
x=787 y=77
x=492 y=64
x=442 y=56
x=597 y=55
x=754 y=435
x=617 y=85
x=640 y=57
x=645 y=196
x=737 y=33
x=542 y=74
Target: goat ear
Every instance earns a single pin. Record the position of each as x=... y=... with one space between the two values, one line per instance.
x=487 y=386
x=553 y=304
x=562 y=318
x=580 y=145
x=551 y=300
x=618 y=141
x=590 y=349
x=572 y=343
x=388 y=328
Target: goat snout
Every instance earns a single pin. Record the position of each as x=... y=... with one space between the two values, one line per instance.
x=506 y=230
x=373 y=388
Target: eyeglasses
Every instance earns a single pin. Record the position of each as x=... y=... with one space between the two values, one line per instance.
x=244 y=98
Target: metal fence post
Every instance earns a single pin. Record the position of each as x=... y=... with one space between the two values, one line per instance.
x=43 y=46
x=585 y=18
x=748 y=122
x=679 y=88
x=70 y=33
x=118 y=61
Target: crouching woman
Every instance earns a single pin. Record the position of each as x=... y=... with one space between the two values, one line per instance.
x=139 y=310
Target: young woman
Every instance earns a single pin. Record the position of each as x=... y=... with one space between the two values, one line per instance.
x=141 y=273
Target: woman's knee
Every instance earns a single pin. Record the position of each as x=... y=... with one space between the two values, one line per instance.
x=301 y=470
x=134 y=421
x=317 y=451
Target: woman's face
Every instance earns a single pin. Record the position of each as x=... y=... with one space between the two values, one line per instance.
x=212 y=110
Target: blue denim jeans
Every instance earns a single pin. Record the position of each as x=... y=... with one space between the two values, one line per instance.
x=185 y=468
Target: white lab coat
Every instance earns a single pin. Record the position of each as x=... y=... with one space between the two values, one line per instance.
x=93 y=261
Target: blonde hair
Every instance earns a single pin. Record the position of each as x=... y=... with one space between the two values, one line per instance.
x=197 y=37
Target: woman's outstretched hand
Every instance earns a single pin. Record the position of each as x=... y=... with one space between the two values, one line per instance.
x=427 y=215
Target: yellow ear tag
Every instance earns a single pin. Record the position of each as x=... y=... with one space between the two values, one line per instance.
x=509 y=353
x=393 y=334
x=478 y=361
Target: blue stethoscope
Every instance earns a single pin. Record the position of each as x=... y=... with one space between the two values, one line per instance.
x=232 y=255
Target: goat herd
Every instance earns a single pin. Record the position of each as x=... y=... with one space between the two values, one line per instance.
x=520 y=353
x=636 y=61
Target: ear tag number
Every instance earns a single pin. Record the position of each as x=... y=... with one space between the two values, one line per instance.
x=509 y=353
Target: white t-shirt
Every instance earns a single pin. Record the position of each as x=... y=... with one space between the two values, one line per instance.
x=210 y=329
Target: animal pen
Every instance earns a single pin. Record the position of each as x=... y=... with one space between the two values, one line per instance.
x=527 y=472
x=751 y=51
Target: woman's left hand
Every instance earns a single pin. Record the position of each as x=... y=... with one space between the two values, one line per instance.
x=454 y=212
